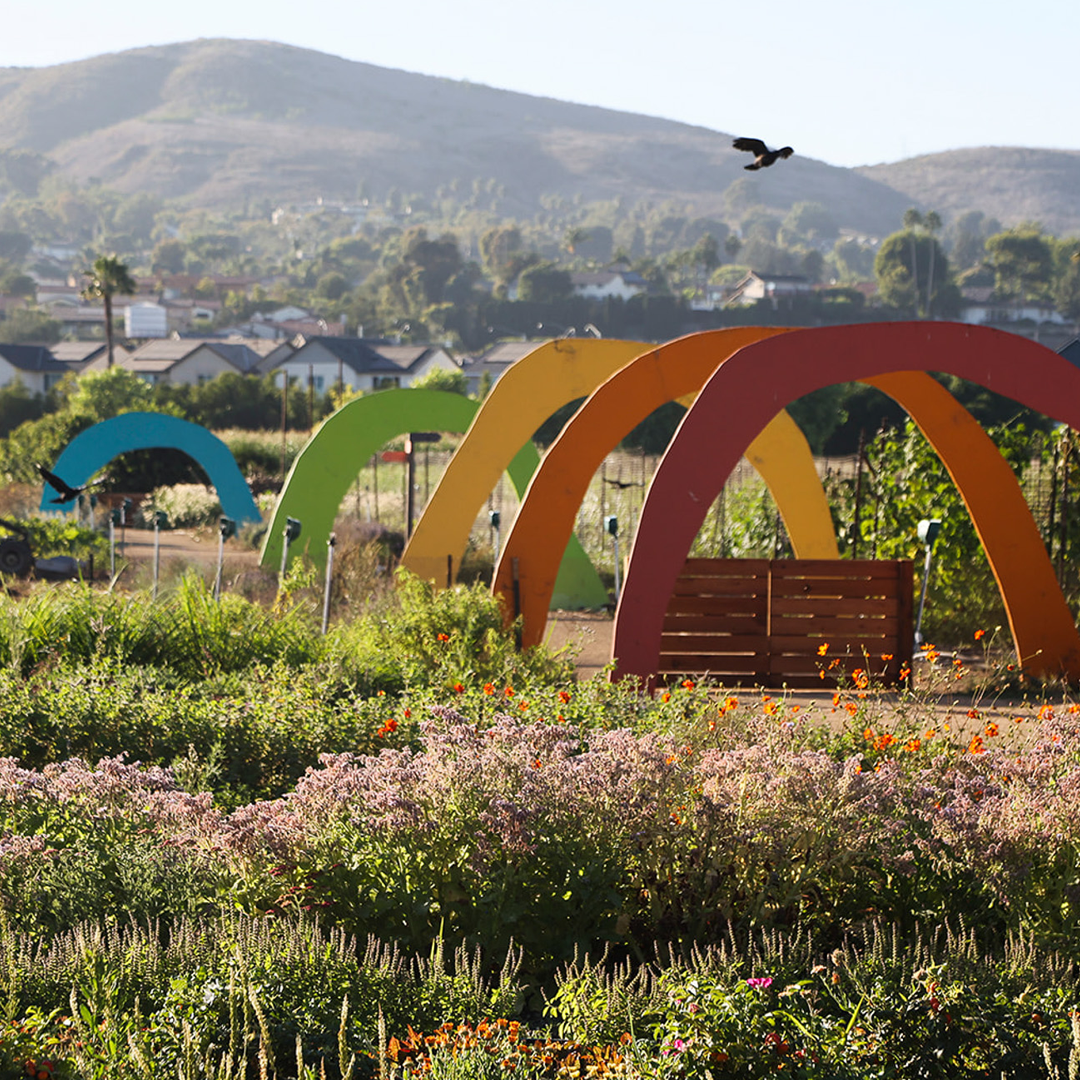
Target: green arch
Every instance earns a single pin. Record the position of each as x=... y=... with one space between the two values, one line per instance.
x=324 y=470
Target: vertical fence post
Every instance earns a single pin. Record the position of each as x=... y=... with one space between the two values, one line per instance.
x=331 y=543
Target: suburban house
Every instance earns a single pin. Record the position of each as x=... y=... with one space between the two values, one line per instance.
x=979 y=308
x=184 y=360
x=600 y=285
x=774 y=287
x=289 y=321
x=494 y=363
x=32 y=365
x=361 y=363
x=77 y=356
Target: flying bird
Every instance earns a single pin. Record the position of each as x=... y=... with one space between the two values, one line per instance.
x=763 y=156
x=66 y=491
x=622 y=485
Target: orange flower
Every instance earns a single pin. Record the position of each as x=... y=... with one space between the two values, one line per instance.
x=973 y=714
x=980 y=634
x=731 y=703
x=665 y=696
x=912 y=746
x=489 y=689
x=459 y=688
x=976 y=746
x=823 y=649
x=508 y=692
x=886 y=656
x=564 y=697
x=990 y=730
x=1046 y=712
x=444 y=637
x=688 y=684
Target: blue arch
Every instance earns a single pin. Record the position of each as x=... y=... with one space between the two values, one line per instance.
x=95 y=447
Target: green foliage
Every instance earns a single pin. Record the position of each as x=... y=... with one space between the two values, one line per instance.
x=544 y=283
x=101 y=395
x=453 y=382
x=1023 y=263
x=17 y=405
x=29 y=326
x=913 y=275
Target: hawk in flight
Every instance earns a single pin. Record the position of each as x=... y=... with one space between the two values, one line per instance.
x=763 y=156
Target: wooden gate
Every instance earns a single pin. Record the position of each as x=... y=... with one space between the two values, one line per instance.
x=782 y=622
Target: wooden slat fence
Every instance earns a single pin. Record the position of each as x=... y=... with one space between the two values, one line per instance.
x=763 y=622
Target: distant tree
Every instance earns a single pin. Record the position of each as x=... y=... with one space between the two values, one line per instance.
x=101 y=395
x=896 y=270
x=544 y=283
x=14 y=245
x=107 y=278
x=1023 y=262
x=732 y=246
x=17 y=405
x=1067 y=282
x=969 y=240
x=15 y=284
x=574 y=237
x=452 y=382
x=332 y=286
x=168 y=257
x=498 y=246
x=29 y=325
x=853 y=261
x=809 y=221
x=597 y=246
x=706 y=253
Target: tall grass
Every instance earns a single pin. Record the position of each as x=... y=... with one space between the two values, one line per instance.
x=187 y=631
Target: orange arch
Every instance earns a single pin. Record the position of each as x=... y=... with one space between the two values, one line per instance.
x=546 y=517
x=769 y=374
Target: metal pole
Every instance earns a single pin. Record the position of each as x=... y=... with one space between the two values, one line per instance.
x=112 y=548
x=220 y=563
x=618 y=576
x=284 y=417
x=157 y=556
x=284 y=555
x=922 y=598
x=331 y=543
x=410 y=484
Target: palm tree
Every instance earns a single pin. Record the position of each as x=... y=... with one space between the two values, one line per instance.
x=108 y=277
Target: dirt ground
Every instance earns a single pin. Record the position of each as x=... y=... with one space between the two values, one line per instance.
x=138 y=544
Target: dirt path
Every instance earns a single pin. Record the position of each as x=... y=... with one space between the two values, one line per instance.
x=181 y=544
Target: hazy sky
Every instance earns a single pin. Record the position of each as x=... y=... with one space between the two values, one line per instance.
x=850 y=82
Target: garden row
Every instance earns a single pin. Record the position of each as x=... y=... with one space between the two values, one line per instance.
x=230 y=846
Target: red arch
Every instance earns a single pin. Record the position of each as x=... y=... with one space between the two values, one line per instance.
x=764 y=377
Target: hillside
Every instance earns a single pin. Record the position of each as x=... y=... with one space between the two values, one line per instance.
x=1010 y=183
x=224 y=122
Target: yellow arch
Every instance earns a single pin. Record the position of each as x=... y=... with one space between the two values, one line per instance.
x=1039 y=618
x=546 y=517
x=541 y=382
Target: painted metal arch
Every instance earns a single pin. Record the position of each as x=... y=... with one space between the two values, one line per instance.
x=323 y=471
x=541 y=382
x=95 y=447
x=747 y=390
x=546 y=517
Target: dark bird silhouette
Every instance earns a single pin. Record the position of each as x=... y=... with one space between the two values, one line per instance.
x=763 y=156
x=623 y=484
x=66 y=491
